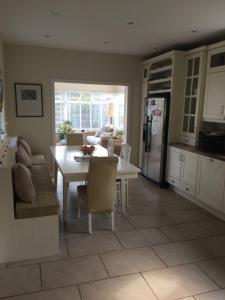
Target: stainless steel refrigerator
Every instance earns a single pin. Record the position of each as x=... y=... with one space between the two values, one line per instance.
x=155 y=132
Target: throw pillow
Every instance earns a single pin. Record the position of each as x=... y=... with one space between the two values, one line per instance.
x=107 y=129
x=23 y=184
x=98 y=133
x=23 y=157
x=25 y=145
x=107 y=134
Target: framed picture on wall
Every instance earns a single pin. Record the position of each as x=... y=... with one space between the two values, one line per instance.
x=1 y=91
x=29 y=101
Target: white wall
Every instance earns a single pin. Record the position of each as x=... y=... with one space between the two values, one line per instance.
x=27 y=64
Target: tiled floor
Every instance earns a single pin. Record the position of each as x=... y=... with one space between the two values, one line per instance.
x=166 y=248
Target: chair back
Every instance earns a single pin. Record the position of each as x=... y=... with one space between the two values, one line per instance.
x=74 y=139
x=101 y=186
x=110 y=147
x=125 y=152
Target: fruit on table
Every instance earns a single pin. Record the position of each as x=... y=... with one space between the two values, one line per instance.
x=87 y=149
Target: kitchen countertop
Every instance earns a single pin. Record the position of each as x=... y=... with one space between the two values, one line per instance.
x=193 y=149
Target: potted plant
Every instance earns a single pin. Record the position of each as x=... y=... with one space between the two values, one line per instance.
x=64 y=128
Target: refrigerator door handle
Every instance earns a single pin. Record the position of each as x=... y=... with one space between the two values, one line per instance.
x=149 y=136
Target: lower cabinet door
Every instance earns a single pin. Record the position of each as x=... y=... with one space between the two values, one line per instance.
x=188 y=168
x=173 y=164
x=210 y=181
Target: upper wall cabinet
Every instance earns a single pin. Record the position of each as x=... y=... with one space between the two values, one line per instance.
x=214 y=102
x=193 y=95
x=145 y=72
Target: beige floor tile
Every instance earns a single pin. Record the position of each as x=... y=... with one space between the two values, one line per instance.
x=183 y=204
x=63 y=254
x=178 y=282
x=216 y=227
x=19 y=280
x=141 y=238
x=121 y=288
x=150 y=220
x=187 y=216
x=103 y=223
x=72 y=271
x=216 y=295
x=131 y=261
x=155 y=207
x=215 y=244
x=66 y=293
x=188 y=298
x=182 y=253
x=215 y=270
x=91 y=244
x=182 y=232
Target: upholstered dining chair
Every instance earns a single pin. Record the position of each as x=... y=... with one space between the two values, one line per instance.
x=74 y=139
x=98 y=195
x=124 y=154
x=110 y=147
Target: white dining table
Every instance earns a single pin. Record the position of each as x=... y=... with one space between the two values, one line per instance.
x=76 y=170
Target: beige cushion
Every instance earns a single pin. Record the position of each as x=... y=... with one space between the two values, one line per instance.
x=45 y=203
x=23 y=184
x=25 y=145
x=37 y=159
x=22 y=156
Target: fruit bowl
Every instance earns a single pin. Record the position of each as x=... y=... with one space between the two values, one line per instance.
x=87 y=150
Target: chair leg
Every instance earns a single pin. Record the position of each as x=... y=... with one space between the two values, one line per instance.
x=90 y=223
x=127 y=203
x=112 y=220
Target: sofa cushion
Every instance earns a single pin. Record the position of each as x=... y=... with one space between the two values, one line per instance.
x=93 y=140
x=45 y=203
x=23 y=157
x=37 y=159
x=23 y=184
x=25 y=145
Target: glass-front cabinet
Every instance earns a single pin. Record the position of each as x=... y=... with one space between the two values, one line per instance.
x=192 y=93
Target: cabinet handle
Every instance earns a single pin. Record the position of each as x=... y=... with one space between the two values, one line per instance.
x=172 y=181
x=211 y=159
x=187 y=189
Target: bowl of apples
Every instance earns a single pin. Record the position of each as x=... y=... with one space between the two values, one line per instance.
x=87 y=150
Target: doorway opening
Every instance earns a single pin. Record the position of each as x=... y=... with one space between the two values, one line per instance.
x=84 y=107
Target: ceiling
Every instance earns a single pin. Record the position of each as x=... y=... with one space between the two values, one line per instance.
x=102 y=25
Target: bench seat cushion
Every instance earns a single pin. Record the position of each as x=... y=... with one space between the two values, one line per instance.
x=46 y=202
x=37 y=159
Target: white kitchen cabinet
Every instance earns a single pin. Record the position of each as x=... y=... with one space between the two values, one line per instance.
x=214 y=103
x=182 y=169
x=210 y=181
x=193 y=95
x=188 y=168
x=173 y=164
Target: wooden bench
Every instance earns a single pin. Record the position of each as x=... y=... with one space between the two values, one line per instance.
x=27 y=231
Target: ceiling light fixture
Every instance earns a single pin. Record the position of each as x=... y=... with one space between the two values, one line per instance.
x=130 y=23
x=47 y=36
x=106 y=42
x=194 y=31
x=54 y=12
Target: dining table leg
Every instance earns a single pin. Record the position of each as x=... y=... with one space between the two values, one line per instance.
x=123 y=196
x=65 y=198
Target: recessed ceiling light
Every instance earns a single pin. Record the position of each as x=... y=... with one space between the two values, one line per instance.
x=194 y=31
x=130 y=23
x=106 y=42
x=155 y=48
x=54 y=12
x=47 y=36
